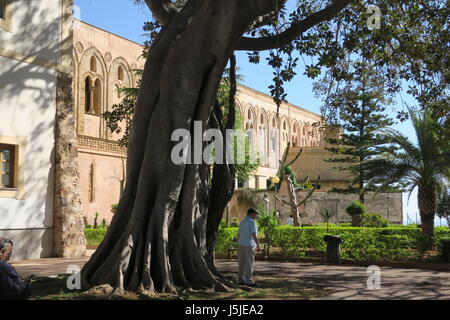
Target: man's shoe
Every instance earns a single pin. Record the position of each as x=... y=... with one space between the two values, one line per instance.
x=253 y=285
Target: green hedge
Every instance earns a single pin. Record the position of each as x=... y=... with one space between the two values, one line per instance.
x=94 y=236
x=394 y=243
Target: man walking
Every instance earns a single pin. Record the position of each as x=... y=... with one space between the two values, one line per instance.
x=12 y=285
x=247 y=241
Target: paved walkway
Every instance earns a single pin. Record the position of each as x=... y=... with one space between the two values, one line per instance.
x=343 y=282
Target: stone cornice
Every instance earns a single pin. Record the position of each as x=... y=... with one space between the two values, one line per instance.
x=284 y=104
x=101 y=145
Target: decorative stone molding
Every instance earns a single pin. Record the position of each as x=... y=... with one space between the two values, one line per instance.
x=79 y=46
x=108 y=57
x=101 y=145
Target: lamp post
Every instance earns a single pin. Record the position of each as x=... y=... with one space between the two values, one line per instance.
x=388 y=207
x=267 y=201
x=275 y=181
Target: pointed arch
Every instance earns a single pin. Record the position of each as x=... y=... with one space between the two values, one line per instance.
x=87 y=93
x=93 y=64
x=97 y=96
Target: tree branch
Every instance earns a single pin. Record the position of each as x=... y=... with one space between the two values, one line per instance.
x=310 y=193
x=289 y=35
x=163 y=10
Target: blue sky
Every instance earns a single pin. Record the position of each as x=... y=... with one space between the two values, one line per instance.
x=125 y=19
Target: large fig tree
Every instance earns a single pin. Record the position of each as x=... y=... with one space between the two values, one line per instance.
x=163 y=233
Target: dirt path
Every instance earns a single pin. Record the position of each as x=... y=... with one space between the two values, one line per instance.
x=340 y=282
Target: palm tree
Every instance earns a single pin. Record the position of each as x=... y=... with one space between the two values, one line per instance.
x=425 y=165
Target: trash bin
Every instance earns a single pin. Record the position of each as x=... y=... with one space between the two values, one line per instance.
x=333 y=249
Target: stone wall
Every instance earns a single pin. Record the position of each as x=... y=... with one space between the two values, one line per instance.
x=69 y=239
x=389 y=205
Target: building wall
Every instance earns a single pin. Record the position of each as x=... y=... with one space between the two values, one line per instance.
x=35 y=31
x=102 y=178
x=389 y=205
x=271 y=134
x=102 y=160
x=31 y=55
x=109 y=51
x=311 y=164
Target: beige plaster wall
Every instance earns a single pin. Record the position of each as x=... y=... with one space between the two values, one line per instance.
x=311 y=164
x=97 y=145
x=110 y=52
x=32 y=52
x=108 y=180
x=298 y=130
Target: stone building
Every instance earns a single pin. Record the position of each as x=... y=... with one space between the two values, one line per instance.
x=40 y=207
x=272 y=133
x=103 y=63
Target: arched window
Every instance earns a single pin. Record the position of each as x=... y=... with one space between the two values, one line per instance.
x=88 y=93
x=249 y=114
x=120 y=74
x=284 y=125
x=274 y=124
x=97 y=96
x=93 y=64
x=262 y=119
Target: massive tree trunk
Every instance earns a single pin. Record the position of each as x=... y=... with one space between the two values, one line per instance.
x=157 y=238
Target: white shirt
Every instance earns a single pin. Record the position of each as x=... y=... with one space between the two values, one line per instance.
x=246 y=228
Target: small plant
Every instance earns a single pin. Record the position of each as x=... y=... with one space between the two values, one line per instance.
x=95 y=220
x=327 y=214
x=268 y=224
x=114 y=208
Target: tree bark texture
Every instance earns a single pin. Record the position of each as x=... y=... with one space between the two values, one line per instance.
x=427 y=208
x=293 y=201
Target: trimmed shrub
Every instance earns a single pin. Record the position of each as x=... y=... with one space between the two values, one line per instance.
x=363 y=244
x=225 y=239
x=356 y=207
x=374 y=220
x=94 y=236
